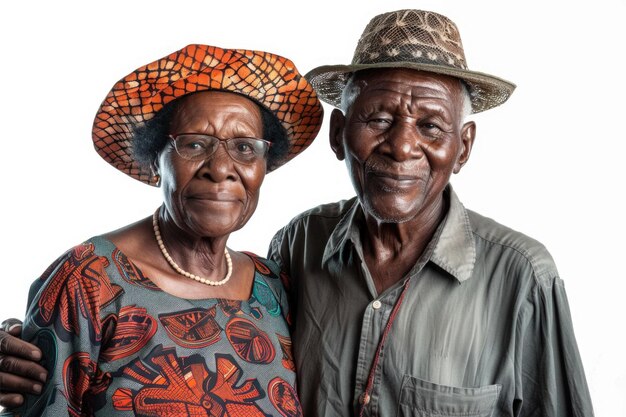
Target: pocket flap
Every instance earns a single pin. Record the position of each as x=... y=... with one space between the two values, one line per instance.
x=443 y=400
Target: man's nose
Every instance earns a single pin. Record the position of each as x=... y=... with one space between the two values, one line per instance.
x=403 y=142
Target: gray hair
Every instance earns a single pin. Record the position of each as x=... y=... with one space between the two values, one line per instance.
x=352 y=90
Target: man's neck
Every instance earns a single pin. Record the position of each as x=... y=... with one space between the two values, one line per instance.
x=392 y=249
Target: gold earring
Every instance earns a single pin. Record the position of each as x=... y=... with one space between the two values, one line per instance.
x=156 y=180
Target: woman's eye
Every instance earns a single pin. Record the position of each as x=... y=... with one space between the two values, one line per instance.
x=243 y=147
x=195 y=146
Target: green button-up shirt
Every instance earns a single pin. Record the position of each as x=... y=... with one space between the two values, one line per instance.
x=484 y=329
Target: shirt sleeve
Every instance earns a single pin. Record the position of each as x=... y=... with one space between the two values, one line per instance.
x=278 y=250
x=63 y=319
x=550 y=380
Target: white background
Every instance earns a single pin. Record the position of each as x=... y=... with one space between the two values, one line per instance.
x=547 y=163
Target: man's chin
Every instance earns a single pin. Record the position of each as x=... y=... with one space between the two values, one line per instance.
x=389 y=213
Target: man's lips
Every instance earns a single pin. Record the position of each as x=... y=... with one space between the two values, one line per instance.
x=395 y=176
x=394 y=179
x=217 y=196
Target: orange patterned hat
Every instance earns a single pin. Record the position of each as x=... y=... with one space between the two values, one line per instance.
x=269 y=79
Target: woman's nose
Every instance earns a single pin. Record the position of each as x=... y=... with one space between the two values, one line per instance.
x=219 y=166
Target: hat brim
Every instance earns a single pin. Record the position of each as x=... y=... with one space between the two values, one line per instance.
x=268 y=79
x=486 y=91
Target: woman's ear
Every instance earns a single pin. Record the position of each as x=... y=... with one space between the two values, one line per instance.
x=156 y=176
x=337 y=122
x=468 y=134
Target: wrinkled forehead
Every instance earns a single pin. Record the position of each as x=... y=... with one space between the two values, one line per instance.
x=206 y=106
x=406 y=81
x=214 y=100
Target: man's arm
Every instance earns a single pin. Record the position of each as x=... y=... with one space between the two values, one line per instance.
x=551 y=381
x=277 y=249
x=20 y=372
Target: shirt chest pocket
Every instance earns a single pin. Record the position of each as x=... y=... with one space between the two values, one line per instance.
x=420 y=398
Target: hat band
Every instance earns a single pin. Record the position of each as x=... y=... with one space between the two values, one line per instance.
x=428 y=56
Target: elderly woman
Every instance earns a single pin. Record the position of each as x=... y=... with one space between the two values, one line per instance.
x=160 y=317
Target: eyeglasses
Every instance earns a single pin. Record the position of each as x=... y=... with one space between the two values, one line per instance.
x=196 y=147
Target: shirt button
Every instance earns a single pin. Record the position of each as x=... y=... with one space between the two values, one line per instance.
x=364 y=399
x=377 y=304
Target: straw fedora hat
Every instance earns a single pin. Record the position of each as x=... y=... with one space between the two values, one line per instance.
x=414 y=39
x=271 y=80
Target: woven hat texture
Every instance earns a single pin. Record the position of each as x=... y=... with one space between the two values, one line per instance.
x=415 y=39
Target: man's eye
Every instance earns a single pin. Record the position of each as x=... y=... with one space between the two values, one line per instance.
x=430 y=126
x=379 y=123
x=431 y=130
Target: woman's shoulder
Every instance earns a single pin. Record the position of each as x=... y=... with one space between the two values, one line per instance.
x=76 y=285
x=90 y=252
x=82 y=269
x=264 y=265
x=271 y=286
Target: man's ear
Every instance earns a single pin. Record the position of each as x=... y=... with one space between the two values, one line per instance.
x=337 y=122
x=468 y=134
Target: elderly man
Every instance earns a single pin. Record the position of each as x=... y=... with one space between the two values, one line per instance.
x=405 y=302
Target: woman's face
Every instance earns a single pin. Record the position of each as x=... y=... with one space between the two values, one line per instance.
x=215 y=196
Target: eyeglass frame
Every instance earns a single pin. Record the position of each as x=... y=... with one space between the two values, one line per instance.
x=225 y=142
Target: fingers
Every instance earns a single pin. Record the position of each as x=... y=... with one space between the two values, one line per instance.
x=14 y=384
x=12 y=346
x=12 y=326
x=26 y=371
x=11 y=400
x=19 y=374
x=11 y=383
x=13 y=388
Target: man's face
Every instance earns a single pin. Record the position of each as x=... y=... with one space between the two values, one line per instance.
x=402 y=139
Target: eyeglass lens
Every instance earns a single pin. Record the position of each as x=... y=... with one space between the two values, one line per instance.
x=195 y=147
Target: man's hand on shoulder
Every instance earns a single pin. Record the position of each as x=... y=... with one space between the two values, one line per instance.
x=20 y=372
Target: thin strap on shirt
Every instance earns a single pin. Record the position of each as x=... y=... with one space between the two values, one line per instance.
x=364 y=399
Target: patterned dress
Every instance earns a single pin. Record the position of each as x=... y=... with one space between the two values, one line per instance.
x=116 y=345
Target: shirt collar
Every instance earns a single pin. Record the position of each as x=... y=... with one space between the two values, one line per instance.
x=346 y=230
x=454 y=252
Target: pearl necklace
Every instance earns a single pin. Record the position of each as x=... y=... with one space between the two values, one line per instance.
x=173 y=264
